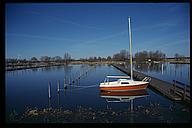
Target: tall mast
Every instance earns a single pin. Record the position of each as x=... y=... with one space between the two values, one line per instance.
x=130 y=47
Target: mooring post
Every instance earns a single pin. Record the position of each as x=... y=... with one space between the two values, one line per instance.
x=131 y=105
x=77 y=81
x=58 y=100
x=180 y=72
x=174 y=86
x=58 y=86
x=65 y=86
x=49 y=103
x=49 y=89
x=69 y=80
x=162 y=69
x=184 y=95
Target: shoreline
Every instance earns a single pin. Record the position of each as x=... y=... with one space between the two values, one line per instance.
x=41 y=65
x=21 y=66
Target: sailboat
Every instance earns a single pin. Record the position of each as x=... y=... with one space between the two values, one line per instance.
x=123 y=83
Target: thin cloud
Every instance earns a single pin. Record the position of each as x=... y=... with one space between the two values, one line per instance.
x=163 y=25
x=67 y=21
x=41 y=37
x=106 y=37
x=158 y=41
x=72 y=40
x=174 y=43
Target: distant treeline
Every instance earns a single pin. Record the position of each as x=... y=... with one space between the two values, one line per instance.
x=66 y=58
x=150 y=56
x=123 y=55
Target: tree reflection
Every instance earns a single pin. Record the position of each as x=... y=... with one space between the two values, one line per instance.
x=148 y=67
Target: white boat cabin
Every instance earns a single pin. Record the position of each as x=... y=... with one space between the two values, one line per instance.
x=122 y=81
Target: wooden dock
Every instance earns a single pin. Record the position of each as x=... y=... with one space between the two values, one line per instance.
x=165 y=88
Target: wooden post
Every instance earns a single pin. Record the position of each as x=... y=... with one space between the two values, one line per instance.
x=58 y=86
x=49 y=89
x=58 y=100
x=162 y=69
x=65 y=86
x=49 y=103
x=131 y=105
x=64 y=83
x=70 y=80
x=174 y=86
x=184 y=95
x=180 y=72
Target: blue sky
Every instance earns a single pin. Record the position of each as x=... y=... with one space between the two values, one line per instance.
x=98 y=29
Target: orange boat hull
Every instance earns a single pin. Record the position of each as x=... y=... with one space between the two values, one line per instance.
x=124 y=88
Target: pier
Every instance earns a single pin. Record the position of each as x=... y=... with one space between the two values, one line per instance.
x=171 y=91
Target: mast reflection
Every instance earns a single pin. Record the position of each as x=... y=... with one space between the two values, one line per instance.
x=124 y=96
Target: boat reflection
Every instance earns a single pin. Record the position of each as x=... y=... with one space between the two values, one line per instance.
x=123 y=96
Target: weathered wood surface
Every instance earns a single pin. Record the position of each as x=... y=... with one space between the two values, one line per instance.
x=163 y=87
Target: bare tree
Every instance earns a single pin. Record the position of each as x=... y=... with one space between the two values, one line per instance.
x=34 y=59
x=179 y=57
x=122 y=55
x=154 y=56
x=109 y=58
x=176 y=56
x=99 y=58
x=57 y=58
x=67 y=58
x=45 y=58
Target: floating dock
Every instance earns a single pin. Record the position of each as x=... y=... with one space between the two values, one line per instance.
x=172 y=91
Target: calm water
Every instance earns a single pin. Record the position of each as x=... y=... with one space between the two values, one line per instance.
x=166 y=71
x=29 y=88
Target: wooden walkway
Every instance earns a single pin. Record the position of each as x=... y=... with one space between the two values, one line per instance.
x=165 y=88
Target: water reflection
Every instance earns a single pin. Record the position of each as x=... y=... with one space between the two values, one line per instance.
x=127 y=96
x=34 y=69
x=58 y=99
x=148 y=67
x=85 y=95
x=67 y=68
x=165 y=71
x=123 y=96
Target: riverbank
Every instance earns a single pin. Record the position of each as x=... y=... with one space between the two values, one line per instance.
x=174 y=61
x=21 y=66
x=39 y=64
x=179 y=62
